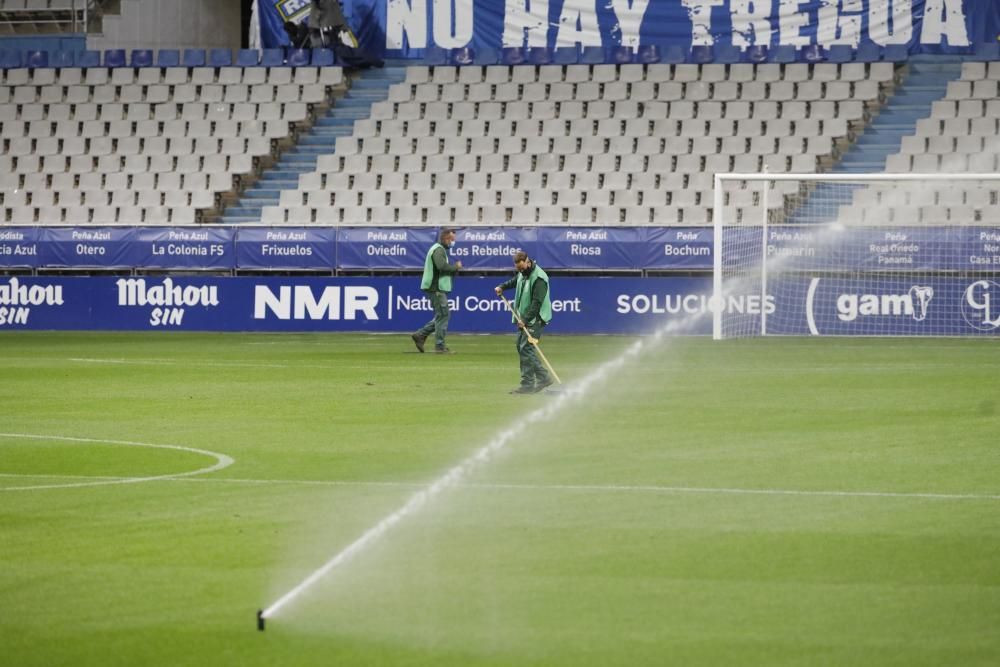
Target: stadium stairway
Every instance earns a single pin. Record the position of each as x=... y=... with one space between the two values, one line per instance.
x=366 y=88
x=925 y=80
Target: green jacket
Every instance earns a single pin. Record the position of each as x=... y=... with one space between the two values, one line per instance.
x=531 y=298
x=437 y=270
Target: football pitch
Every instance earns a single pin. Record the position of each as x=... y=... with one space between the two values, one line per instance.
x=750 y=502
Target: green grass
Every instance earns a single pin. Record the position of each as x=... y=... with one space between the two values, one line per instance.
x=648 y=523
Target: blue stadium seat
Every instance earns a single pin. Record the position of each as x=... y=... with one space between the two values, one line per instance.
x=702 y=54
x=463 y=56
x=114 y=58
x=757 y=54
x=193 y=58
x=168 y=58
x=35 y=59
x=988 y=50
x=87 y=58
x=10 y=58
x=783 y=53
x=272 y=58
x=674 y=54
x=622 y=55
x=728 y=53
x=896 y=53
x=512 y=55
x=61 y=59
x=868 y=52
x=565 y=55
x=322 y=58
x=435 y=55
x=592 y=55
x=220 y=58
x=142 y=58
x=648 y=54
x=248 y=58
x=486 y=56
x=298 y=57
x=840 y=53
x=539 y=55
x=812 y=53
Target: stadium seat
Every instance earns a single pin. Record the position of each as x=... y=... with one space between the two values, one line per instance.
x=729 y=54
x=220 y=58
x=868 y=52
x=247 y=58
x=434 y=55
x=623 y=55
x=298 y=57
x=193 y=58
x=114 y=58
x=142 y=58
x=701 y=54
x=840 y=53
x=783 y=53
x=648 y=54
x=674 y=54
x=592 y=55
x=168 y=58
x=272 y=58
x=486 y=56
x=36 y=59
x=757 y=54
x=539 y=55
x=462 y=56
x=10 y=58
x=813 y=53
x=512 y=55
x=322 y=58
x=565 y=55
x=60 y=59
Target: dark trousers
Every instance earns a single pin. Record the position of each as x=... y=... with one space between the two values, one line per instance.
x=533 y=371
x=439 y=325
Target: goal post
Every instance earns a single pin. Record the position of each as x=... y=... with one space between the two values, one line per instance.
x=856 y=254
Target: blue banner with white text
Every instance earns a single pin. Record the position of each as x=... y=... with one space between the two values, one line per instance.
x=286 y=248
x=406 y=29
x=802 y=305
x=797 y=247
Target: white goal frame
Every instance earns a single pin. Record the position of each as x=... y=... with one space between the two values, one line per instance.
x=719 y=221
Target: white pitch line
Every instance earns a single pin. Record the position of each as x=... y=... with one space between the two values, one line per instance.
x=221 y=461
x=598 y=488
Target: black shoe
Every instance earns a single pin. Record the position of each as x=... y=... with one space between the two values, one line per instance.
x=418 y=340
x=523 y=389
x=443 y=350
x=542 y=385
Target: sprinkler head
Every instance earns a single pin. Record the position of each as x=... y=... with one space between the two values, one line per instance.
x=260 y=620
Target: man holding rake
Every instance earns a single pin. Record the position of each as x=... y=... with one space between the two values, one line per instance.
x=531 y=311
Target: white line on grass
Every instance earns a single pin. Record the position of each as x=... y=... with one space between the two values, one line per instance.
x=598 y=488
x=221 y=461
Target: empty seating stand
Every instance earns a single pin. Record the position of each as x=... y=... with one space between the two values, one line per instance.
x=582 y=144
x=144 y=138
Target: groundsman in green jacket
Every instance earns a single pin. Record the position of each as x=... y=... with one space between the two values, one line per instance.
x=534 y=306
x=436 y=284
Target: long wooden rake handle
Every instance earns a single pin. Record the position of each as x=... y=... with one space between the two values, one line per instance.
x=531 y=339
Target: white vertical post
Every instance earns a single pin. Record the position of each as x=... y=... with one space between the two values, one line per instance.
x=717 y=303
x=763 y=261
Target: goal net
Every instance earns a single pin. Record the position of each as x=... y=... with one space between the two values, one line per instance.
x=847 y=254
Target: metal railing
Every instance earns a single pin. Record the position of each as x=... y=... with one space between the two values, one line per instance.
x=74 y=13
